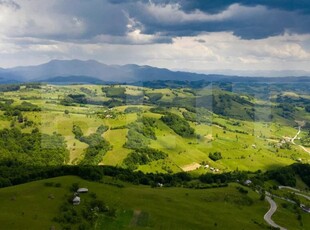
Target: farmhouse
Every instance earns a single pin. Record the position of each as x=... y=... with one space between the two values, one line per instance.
x=82 y=190
x=76 y=200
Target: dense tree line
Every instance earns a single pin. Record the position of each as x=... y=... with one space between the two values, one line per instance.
x=13 y=172
x=143 y=156
x=178 y=124
x=8 y=87
x=33 y=148
x=287 y=175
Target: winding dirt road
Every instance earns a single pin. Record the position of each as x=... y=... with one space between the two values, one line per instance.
x=293 y=141
x=271 y=211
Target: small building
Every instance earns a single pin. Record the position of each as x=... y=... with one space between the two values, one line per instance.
x=248 y=182
x=76 y=200
x=305 y=208
x=82 y=190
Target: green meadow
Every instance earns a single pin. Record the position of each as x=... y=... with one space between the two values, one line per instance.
x=243 y=143
x=34 y=206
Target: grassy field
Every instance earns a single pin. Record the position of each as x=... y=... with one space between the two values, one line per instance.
x=244 y=145
x=286 y=216
x=34 y=205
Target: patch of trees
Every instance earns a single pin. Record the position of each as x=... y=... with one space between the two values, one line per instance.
x=97 y=145
x=303 y=171
x=221 y=104
x=84 y=217
x=178 y=124
x=8 y=88
x=199 y=115
x=71 y=99
x=154 y=97
x=33 y=85
x=27 y=106
x=159 y=110
x=287 y=175
x=215 y=156
x=305 y=141
x=15 y=111
x=190 y=91
x=33 y=148
x=133 y=110
x=286 y=110
x=284 y=176
x=307 y=108
x=88 y=91
x=143 y=156
x=140 y=133
x=114 y=92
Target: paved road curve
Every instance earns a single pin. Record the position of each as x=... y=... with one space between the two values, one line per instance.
x=271 y=211
x=295 y=191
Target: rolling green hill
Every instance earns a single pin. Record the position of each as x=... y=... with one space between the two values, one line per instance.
x=251 y=133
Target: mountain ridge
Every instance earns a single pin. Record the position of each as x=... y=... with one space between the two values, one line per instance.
x=129 y=73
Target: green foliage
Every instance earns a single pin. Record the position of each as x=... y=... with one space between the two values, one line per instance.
x=136 y=140
x=70 y=99
x=67 y=101
x=114 y=92
x=178 y=125
x=84 y=217
x=97 y=147
x=101 y=129
x=303 y=171
x=33 y=148
x=8 y=88
x=140 y=133
x=143 y=156
x=215 y=156
x=132 y=110
x=77 y=131
x=285 y=176
x=199 y=115
x=27 y=106
x=160 y=110
x=154 y=97
x=242 y=190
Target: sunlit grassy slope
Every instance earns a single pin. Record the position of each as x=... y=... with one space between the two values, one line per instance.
x=30 y=206
x=244 y=144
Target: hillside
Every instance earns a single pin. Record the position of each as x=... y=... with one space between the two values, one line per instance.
x=154 y=130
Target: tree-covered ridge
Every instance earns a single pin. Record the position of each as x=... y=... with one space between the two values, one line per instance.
x=143 y=156
x=178 y=124
x=33 y=148
x=140 y=133
x=97 y=145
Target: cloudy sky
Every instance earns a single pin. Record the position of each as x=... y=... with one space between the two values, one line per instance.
x=199 y=35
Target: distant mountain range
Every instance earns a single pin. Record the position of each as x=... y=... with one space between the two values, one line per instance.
x=77 y=71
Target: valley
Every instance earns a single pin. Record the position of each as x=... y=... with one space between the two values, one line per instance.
x=220 y=149
x=249 y=133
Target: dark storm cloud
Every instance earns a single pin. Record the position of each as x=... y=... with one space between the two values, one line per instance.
x=272 y=17
x=219 y=5
x=123 y=21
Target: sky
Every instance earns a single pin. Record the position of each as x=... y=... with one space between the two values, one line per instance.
x=210 y=36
